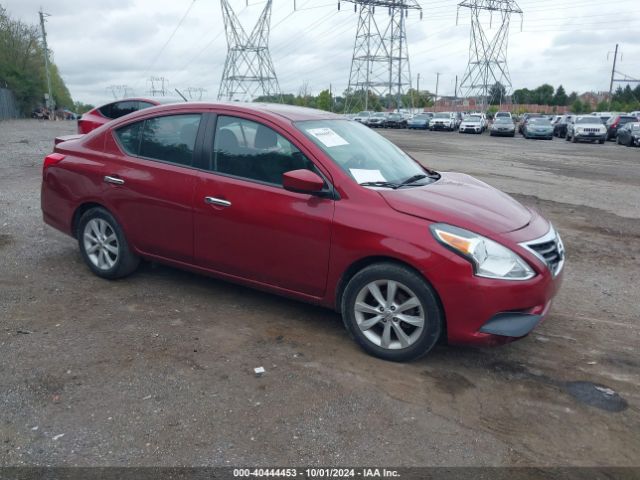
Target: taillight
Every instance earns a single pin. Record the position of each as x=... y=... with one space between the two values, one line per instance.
x=615 y=124
x=52 y=159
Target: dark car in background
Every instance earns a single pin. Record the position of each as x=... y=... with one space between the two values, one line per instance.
x=617 y=121
x=105 y=113
x=629 y=135
x=419 y=121
x=560 y=127
x=395 y=120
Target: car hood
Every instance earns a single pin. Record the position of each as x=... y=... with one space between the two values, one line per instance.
x=463 y=201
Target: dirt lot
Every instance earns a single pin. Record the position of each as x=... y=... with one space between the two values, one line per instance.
x=157 y=369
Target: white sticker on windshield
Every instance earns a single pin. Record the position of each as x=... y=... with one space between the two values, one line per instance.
x=361 y=176
x=328 y=137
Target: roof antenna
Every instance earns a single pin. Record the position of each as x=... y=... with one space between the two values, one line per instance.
x=183 y=97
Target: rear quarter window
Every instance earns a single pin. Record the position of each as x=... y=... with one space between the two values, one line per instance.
x=129 y=137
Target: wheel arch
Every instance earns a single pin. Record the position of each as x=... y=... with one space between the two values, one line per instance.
x=365 y=262
x=85 y=207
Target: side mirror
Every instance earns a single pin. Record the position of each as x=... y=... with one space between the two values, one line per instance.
x=302 y=181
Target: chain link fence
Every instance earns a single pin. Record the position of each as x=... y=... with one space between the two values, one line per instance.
x=8 y=105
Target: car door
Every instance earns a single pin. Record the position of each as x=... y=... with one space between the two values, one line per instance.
x=150 y=181
x=246 y=224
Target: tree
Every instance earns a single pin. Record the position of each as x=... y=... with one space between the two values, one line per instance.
x=560 y=98
x=522 y=95
x=323 y=101
x=573 y=96
x=22 y=67
x=543 y=95
x=577 y=106
x=497 y=92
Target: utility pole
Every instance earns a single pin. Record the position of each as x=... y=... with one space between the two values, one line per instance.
x=613 y=73
x=49 y=102
x=435 y=101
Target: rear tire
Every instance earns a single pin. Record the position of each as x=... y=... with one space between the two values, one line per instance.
x=103 y=245
x=410 y=322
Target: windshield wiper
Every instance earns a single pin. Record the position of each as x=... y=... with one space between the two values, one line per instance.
x=381 y=184
x=413 y=179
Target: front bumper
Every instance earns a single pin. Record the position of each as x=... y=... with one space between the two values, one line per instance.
x=441 y=126
x=507 y=133
x=534 y=134
x=483 y=311
x=470 y=129
x=592 y=137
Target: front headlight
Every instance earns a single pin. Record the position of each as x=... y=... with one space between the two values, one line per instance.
x=489 y=259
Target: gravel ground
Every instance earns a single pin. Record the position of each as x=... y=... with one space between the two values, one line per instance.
x=157 y=369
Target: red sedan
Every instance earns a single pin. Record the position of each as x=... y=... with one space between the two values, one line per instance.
x=306 y=204
x=101 y=115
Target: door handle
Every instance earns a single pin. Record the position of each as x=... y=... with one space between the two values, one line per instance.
x=217 y=201
x=114 y=180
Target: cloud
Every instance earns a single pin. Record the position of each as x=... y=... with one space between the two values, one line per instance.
x=106 y=42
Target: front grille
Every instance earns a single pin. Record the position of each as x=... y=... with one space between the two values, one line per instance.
x=591 y=130
x=549 y=249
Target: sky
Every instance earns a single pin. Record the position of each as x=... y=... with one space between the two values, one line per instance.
x=98 y=44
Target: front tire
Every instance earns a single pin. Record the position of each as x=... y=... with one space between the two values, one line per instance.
x=103 y=245
x=392 y=312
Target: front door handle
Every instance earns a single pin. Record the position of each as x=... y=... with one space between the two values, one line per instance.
x=217 y=201
x=114 y=180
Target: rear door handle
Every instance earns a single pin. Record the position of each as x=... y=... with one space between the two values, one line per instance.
x=114 y=180
x=217 y=201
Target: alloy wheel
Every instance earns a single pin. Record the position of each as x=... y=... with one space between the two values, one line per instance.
x=389 y=314
x=101 y=243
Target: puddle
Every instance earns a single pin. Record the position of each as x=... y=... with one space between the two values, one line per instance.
x=587 y=393
x=595 y=395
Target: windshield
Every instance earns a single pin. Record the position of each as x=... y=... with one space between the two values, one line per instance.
x=589 y=119
x=377 y=115
x=503 y=115
x=363 y=114
x=471 y=118
x=421 y=117
x=365 y=155
x=442 y=115
x=540 y=121
x=503 y=120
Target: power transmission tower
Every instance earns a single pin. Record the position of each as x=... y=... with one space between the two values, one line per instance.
x=158 y=86
x=487 y=54
x=120 y=91
x=248 y=70
x=49 y=100
x=380 y=62
x=195 y=93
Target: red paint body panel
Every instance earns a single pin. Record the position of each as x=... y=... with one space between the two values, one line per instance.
x=296 y=244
